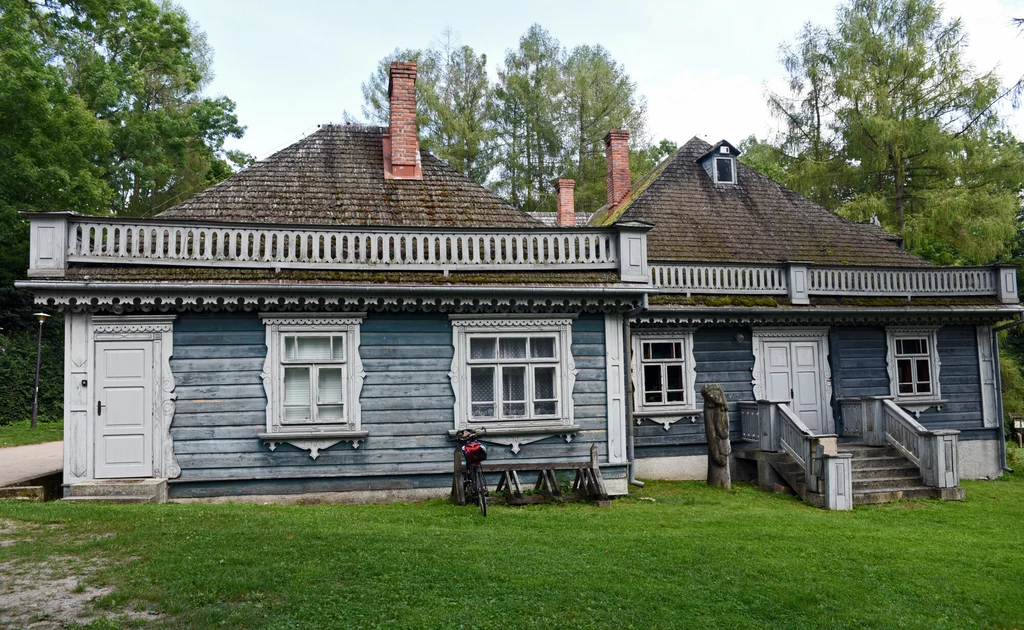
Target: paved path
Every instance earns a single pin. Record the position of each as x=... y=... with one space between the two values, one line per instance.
x=21 y=463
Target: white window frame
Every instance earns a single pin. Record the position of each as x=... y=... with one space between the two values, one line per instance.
x=280 y=326
x=916 y=402
x=684 y=336
x=714 y=169
x=465 y=328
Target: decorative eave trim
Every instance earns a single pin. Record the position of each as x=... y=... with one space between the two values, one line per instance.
x=128 y=297
x=725 y=316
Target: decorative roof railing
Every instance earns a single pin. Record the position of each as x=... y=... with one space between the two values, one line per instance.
x=800 y=281
x=60 y=239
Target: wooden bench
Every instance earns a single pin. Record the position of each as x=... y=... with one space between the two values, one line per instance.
x=588 y=484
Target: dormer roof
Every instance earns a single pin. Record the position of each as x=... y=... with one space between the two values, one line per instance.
x=755 y=220
x=716 y=149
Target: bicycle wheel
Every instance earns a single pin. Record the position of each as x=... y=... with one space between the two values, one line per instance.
x=481 y=488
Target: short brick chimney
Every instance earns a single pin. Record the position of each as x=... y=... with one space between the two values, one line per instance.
x=402 y=153
x=566 y=203
x=616 y=150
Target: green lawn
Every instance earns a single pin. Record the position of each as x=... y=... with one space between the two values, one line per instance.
x=21 y=433
x=695 y=557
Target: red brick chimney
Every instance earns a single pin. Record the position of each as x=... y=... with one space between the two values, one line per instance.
x=566 y=203
x=402 y=147
x=616 y=150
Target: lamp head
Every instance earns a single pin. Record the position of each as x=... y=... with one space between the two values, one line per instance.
x=42 y=317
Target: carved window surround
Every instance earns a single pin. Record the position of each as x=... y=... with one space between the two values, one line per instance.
x=916 y=404
x=664 y=414
x=160 y=330
x=313 y=437
x=514 y=433
x=819 y=334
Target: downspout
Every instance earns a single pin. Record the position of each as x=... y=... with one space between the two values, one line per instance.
x=999 y=388
x=627 y=383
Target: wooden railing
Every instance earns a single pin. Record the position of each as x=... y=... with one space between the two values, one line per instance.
x=62 y=238
x=901 y=282
x=774 y=427
x=711 y=278
x=934 y=452
x=794 y=437
x=360 y=249
x=801 y=281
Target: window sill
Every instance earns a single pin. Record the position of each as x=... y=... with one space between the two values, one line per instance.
x=517 y=436
x=313 y=441
x=667 y=417
x=918 y=405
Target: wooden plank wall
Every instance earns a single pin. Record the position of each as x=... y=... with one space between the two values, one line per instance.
x=407 y=406
x=723 y=356
x=858 y=356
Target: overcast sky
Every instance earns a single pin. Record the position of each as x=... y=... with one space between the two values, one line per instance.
x=703 y=66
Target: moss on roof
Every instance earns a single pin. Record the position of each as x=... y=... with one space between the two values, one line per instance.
x=679 y=300
x=754 y=220
x=313 y=276
x=335 y=176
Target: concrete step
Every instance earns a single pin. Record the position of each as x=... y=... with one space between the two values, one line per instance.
x=24 y=493
x=861 y=474
x=886 y=483
x=153 y=490
x=868 y=452
x=885 y=495
x=110 y=499
x=879 y=462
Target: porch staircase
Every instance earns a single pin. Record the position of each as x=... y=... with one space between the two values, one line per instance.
x=880 y=474
x=118 y=491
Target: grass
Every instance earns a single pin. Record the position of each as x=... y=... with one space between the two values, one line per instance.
x=693 y=557
x=22 y=433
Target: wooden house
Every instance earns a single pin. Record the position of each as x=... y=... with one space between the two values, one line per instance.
x=324 y=320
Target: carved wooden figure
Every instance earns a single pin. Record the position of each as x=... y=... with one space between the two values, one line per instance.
x=716 y=428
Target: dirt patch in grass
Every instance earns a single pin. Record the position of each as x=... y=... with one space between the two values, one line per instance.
x=52 y=593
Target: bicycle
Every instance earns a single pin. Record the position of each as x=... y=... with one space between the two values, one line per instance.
x=473 y=453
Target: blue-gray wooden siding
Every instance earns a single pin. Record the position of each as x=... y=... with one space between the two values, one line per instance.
x=724 y=356
x=858 y=356
x=407 y=407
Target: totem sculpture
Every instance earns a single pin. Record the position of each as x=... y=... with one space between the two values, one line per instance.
x=716 y=428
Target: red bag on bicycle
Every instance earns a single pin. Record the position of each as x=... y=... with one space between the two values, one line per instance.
x=475 y=452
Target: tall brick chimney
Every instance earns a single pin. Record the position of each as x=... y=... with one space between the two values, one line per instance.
x=402 y=161
x=616 y=150
x=566 y=203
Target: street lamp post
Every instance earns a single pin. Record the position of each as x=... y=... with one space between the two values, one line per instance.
x=42 y=317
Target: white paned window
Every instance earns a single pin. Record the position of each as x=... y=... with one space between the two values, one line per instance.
x=663 y=370
x=725 y=170
x=312 y=373
x=512 y=372
x=913 y=364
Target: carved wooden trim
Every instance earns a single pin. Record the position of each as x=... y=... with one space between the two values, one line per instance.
x=319 y=436
x=760 y=335
x=459 y=372
x=916 y=404
x=666 y=414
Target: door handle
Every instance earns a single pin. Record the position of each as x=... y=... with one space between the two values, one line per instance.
x=99 y=408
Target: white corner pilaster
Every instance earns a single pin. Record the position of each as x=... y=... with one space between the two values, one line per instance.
x=48 y=245
x=987 y=366
x=798 y=284
x=615 y=387
x=1007 y=276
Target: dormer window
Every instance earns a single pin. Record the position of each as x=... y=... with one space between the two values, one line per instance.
x=725 y=173
x=720 y=163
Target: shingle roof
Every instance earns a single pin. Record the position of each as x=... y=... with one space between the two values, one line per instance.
x=755 y=220
x=335 y=176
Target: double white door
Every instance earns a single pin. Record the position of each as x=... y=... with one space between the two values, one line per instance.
x=123 y=409
x=793 y=372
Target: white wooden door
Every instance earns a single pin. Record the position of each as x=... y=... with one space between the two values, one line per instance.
x=123 y=409
x=793 y=373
